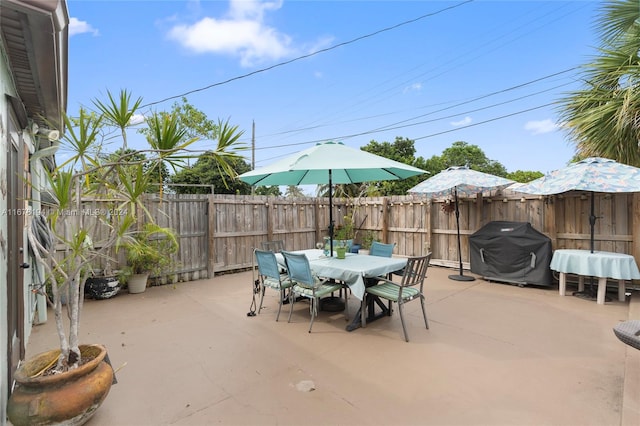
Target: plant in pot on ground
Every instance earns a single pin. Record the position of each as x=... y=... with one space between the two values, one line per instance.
x=148 y=252
x=97 y=200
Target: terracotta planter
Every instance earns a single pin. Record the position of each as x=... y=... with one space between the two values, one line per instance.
x=70 y=398
x=137 y=283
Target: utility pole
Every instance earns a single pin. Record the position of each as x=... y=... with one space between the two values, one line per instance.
x=253 y=151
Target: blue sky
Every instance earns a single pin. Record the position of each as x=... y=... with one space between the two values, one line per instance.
x=484 y=72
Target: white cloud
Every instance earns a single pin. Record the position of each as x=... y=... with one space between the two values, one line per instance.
x=465 y=121
x=136 y=119
x=241 y=33
x=541 y=126
x=415 y=87
x=77 y=26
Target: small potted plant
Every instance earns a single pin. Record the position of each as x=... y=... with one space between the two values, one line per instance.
x=343 y=237
x=148 y=252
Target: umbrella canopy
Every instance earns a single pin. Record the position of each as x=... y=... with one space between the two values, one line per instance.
x=347 y=165
x=330 y=163
x=459 y=180
x=592 y=174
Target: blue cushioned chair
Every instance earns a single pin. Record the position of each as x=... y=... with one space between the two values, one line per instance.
x=271 y=277
x=306 y=283
x=381 y=249
x=410 y=288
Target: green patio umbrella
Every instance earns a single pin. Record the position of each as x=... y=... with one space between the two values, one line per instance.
x=330 y=163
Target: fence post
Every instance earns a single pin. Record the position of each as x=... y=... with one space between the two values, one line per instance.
x=635 y=227
x=270 y=216
x=211 y=227
x=385 y=219
x=549 y=220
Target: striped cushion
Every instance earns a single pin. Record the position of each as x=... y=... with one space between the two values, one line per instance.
x=390 y=291
x=321 y=290
x=275 y=284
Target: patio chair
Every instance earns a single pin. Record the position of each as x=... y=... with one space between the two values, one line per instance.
x=307 y=284
x=410 y=288
x=382 y=250
x=270 y=277
x=275 y=246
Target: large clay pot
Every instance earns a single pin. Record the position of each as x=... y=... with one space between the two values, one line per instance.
x=69 y=398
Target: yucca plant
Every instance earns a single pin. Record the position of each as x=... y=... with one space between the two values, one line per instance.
x=116 y=184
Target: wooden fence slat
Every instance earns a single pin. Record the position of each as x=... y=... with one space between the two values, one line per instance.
x=218 y=232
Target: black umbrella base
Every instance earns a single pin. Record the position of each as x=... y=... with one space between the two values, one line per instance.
x=461 y=278
x=590 y=295
x=332 y=304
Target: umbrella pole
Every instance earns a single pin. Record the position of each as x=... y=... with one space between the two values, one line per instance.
x=590 y=294
x=592 y=221
x=330 y=217
x=461 y=276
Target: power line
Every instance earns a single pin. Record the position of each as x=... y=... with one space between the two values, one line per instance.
x=280 y=64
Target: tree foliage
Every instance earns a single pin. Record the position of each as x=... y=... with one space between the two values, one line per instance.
x=401 y=150
x=524 y=176
x=205 y=171
x=603 y=117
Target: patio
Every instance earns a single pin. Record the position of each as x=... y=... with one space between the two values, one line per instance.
x=495 y=354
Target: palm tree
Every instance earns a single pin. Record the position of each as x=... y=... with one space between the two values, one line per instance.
x=603 y=118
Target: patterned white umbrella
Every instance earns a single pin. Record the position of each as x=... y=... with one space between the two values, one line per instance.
x=594 y=174
x=464 y=181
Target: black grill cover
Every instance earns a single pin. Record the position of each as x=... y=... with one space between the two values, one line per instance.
x=512 y=252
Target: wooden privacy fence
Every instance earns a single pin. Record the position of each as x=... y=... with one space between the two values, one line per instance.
x=217 y=232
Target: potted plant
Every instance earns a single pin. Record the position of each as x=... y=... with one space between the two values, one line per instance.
x=98 y=200
x=343 y=237
x=102 y=283
x=148 y=252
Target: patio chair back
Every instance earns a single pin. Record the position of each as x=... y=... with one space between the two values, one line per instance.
x=381 y=249
x=415 y=272
x=267 y=264
x=299 y=269
x=270 y=276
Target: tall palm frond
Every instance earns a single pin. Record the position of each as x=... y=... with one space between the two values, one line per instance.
x=119 y=111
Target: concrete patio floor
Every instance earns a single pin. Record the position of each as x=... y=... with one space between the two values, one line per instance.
x=495 y=354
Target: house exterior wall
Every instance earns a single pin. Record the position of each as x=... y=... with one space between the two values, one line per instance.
x=30 y=92
x=4 y=305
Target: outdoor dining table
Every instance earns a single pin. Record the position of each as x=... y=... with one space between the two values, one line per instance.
x=353 y=270
x=599 y=264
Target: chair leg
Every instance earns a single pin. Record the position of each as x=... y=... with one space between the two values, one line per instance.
x=292 y=300
x=424 y=312
x=314 y=311
x=282 y=296
x=261 y=298
x=404 y=328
